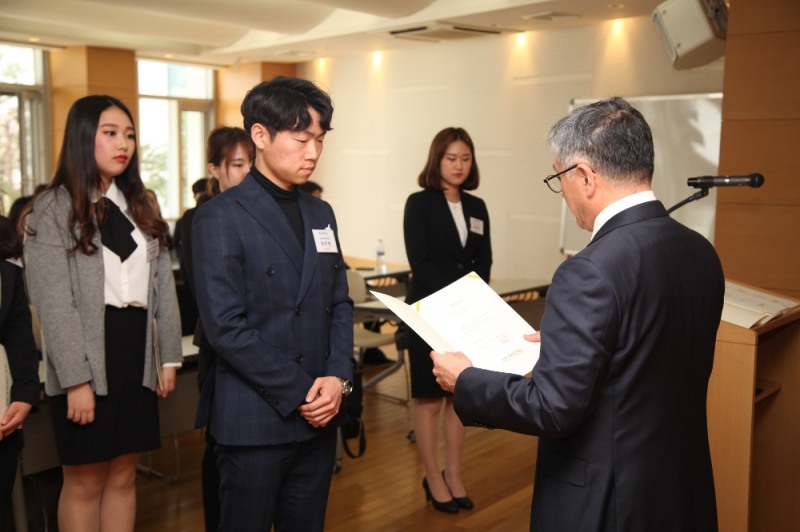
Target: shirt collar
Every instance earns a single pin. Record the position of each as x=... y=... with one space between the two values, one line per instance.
x=620 y=205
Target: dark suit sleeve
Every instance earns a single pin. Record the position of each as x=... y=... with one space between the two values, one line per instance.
x=186 y=250
x=16 y=335
x=577 y=341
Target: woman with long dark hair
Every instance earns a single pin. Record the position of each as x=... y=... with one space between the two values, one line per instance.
x=100 y=279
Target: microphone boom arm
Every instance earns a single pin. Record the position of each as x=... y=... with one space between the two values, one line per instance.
x=702 y=193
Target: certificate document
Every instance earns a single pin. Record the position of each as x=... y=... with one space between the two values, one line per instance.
x=468 y=316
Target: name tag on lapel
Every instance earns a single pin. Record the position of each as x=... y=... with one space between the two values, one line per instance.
x=325 y=240
x=152 y=249
x=476 y=225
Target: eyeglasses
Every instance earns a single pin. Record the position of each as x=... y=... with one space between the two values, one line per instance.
x=555 y=186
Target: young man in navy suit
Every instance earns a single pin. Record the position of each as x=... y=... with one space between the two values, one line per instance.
x=272 y=294
x=618 y=395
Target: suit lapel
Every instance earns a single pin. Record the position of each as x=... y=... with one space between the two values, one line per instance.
x=473 y=239
x=266 y=211
x=310 y=221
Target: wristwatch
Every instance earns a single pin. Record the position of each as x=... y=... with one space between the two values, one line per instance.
x=347 y=386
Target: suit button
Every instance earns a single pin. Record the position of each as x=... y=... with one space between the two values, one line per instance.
x=270 y=271
x=460 y=266
x=299 y=358
x=298 y=311
x=337 y=266
x=328 y=309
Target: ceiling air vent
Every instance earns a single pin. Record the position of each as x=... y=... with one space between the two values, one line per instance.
x=439 y=31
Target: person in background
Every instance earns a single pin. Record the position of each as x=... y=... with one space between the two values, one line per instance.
x=618 y=395
x=230 y=154
x=199 y=194
x=446 y=232
x=99 y=276
x=272 y=292
x=312 y=187
x=18 y=356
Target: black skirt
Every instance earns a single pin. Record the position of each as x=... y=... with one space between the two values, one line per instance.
x=125 y=420
x=423 y=383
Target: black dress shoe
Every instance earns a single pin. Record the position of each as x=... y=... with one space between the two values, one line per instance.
x=448 y=507
x=462 y=502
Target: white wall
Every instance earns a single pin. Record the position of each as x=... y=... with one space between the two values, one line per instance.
x=506 y=91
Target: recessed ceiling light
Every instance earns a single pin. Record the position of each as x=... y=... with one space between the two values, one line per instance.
x=616 y=6
x=34 y=39
x=552 y=16
x=295 y=53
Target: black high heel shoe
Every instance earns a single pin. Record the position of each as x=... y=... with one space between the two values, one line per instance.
x=462 y=502
x=448 y=507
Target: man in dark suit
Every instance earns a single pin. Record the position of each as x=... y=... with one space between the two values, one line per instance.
x=618 y=396
x=272 y=293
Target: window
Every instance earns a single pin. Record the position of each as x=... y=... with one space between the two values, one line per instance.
x=22 y=146
x=175 y=117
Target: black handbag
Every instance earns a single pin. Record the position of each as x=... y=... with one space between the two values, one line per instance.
x=353 y=427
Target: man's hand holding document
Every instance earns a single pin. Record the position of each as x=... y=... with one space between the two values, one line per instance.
x=468 y=316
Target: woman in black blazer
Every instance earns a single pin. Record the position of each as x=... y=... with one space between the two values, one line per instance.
x=16 y=336
x=446 y=234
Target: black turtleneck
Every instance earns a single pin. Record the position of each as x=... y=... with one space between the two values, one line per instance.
x=287 y=200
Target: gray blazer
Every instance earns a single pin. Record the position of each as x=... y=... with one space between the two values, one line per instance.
x=67 y=291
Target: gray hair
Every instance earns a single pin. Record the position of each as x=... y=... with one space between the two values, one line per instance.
x=611 y=136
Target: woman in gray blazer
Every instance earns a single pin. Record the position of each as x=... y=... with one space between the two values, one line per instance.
x=100 y=278
x=446 y=233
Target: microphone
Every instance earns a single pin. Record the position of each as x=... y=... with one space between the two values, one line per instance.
x=707 y=181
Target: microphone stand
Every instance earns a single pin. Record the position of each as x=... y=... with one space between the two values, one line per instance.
x=702 y=193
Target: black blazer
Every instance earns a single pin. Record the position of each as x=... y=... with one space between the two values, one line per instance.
x=433 y=247
x=17 y=337
x=618 y=396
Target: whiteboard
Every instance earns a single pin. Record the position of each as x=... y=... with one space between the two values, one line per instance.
x=686 y=133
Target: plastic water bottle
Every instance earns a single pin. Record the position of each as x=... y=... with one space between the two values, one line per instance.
x=380 y=255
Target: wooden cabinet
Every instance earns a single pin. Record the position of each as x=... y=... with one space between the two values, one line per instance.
x=754 y=426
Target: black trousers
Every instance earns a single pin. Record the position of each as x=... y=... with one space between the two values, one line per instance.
x=282 y=485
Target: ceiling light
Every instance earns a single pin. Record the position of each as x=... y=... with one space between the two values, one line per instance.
x=552 y=16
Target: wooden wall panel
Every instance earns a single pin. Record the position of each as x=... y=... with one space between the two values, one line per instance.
x=762 y=146
x=271 y=70
x=764 y=16
x=756 y=231
x=78 y=71
x=762 y=73
x=760 y=245
x=234 y=82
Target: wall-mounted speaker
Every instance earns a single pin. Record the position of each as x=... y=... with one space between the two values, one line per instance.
x=693 y=31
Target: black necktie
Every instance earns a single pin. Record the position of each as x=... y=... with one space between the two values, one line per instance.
x=116 y=230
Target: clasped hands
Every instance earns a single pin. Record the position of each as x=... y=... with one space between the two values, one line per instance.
x=12 y=418
x=322 y=401
x=448 y=366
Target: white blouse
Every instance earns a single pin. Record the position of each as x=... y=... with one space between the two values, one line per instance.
x=457 y=211
x=126 y=283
